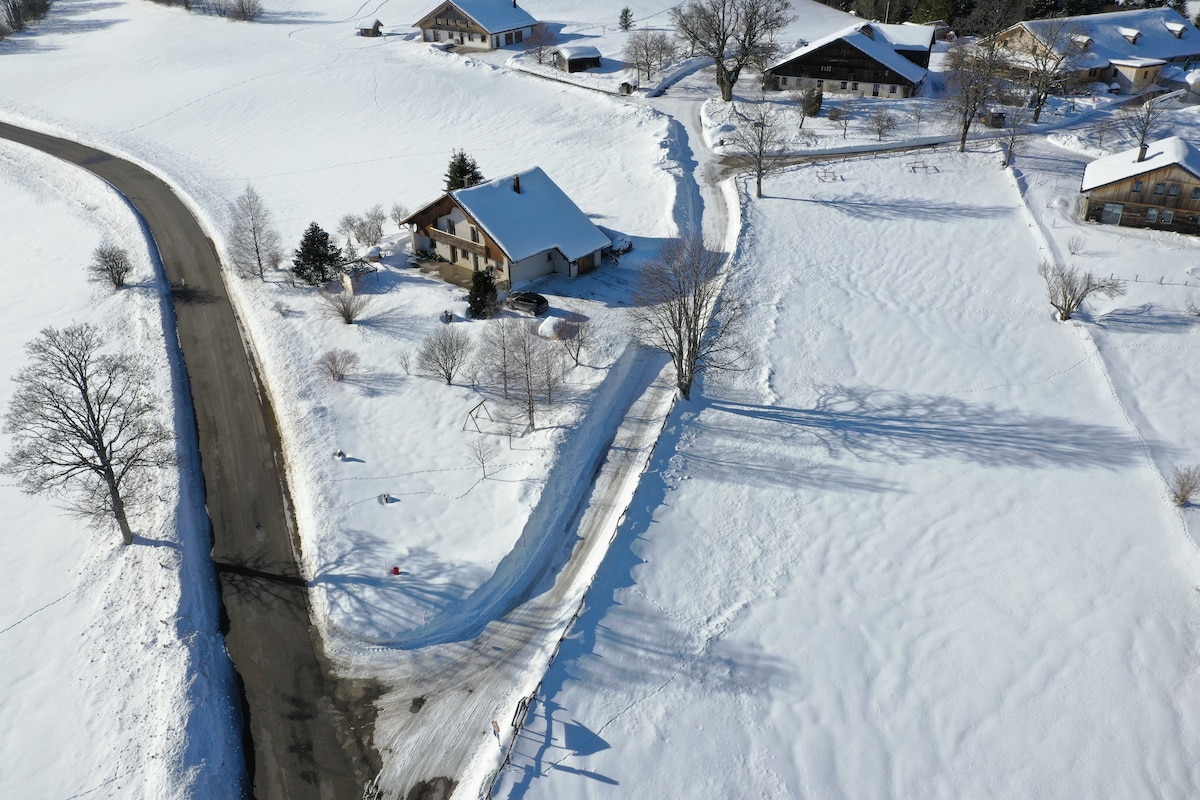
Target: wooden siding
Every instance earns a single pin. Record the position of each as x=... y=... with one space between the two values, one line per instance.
x=1184 y=207
x=426 y=221
x=840 y=61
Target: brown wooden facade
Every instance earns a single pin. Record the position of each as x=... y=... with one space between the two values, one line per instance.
x=448 y=23
x=1167 y=198
x=842 y=67
x=445 y=228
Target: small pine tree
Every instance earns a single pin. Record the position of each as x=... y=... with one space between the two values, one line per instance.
x=462 y=172
x=811 y=101
x=481 y=300
x=626 y=20
x=317 y=258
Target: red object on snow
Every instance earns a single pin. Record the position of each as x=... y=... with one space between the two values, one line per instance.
x=395 y=570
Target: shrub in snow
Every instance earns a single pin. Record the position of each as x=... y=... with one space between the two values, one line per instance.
x=111 y=264
x=337 y=364
x=444 y=352
x=1183 y=484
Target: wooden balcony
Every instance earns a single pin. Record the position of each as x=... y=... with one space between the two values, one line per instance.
x=478 y=248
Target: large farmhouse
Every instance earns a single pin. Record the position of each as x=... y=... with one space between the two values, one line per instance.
x=1157 y=186
x=868 y=59
x=522 y=227
x=485 y=24
x=1126 y=50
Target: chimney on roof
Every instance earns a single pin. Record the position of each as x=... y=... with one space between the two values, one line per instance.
x=1142 y=152
x=517 y=178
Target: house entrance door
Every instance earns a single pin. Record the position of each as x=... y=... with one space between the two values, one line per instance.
x=1112 y=213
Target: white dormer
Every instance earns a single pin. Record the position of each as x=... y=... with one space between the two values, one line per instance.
x=1176 y=28
x=1081 y=40
x=1131 y=34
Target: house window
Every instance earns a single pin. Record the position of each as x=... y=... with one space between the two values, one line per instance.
x=474 y=234
x=783 y=80
x=1167 y=216
x=826 y=68
x=843 y=86
x=549 y=256
x=1138 y=186
x=1160 y=188
x=892 y=89
x=1173 y=191
x=820 y=83
x=1196 y=193
x=1151 y=215
x=854 y=86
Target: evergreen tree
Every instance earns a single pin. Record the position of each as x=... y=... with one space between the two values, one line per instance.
x=317 y=259
x=463 y=172
x=481 y=300
x=626 y=20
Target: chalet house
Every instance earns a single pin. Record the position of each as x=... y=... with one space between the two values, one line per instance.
x=1126 y=50
x=868 y=59
x=522 y=227
x=485 y=24
x=1156 y=187
x=576 y=58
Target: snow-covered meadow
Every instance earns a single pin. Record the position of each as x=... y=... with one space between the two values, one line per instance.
x=114 y=675
x=923 y=548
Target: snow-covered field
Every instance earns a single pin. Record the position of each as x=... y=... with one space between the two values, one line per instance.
x=113 y=675
x=924 y=548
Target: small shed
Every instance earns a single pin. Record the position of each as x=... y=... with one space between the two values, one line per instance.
x=369 y=27
x=576 y=58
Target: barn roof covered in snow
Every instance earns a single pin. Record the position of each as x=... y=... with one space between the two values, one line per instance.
x=1119 y=166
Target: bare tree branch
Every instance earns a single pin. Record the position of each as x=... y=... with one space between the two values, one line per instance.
x=86 y=422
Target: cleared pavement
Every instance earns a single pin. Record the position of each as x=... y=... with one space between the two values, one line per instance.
x=310 y=733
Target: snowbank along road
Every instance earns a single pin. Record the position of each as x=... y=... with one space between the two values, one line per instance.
x=308 y=734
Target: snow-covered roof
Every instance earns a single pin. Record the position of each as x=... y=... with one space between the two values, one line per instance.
x=878 y=48
x=1120 y=166
x=905 y=36
x=537 y=218
x=578 y=51
x=1155 y=33
x=494 y=16
x=1137 y=62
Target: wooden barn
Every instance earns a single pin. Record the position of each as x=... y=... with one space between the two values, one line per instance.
x=369 y=27
x=1155 y=187
x=521 y=227
x=483 y=24
x=576 y=58
x=868 y=59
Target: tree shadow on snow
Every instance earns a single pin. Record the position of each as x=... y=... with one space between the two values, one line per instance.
x=1146 y=318
x=875 y=424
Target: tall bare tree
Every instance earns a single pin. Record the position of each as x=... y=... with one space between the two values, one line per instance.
x=496 y=351
x=675 y=311
x=1047 y=54
x=540 y=40
x=1142 y=121
x=733 y=33
x=973 y=70
x=882 y=122
x=253 y=241
x=758 y=142
x=1016 y=126
x=87 y=423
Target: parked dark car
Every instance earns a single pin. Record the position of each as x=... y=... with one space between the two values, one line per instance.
x=529 y=302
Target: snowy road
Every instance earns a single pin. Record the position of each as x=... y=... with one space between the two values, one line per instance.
x=438 y=716
x=301 y=745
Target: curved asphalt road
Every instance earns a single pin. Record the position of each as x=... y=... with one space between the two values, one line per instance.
x=310 y=733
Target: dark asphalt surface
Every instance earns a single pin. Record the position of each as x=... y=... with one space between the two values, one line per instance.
x=311 y=732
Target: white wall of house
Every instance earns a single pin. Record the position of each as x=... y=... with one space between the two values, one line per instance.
x=892 y=91
x=539 y=264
